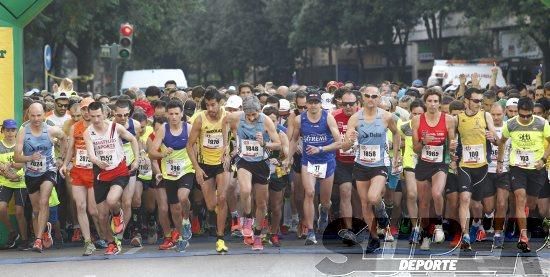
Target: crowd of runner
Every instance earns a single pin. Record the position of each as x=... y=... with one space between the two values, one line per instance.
x=458 y=163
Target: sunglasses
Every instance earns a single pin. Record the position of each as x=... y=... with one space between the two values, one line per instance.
x=63 y=105
x=351 y=104
x=371 y=96
x=477 y=101
x=301 y=107
x=123 y=115
x=525 y=115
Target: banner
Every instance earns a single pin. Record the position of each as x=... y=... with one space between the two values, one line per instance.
x=6 y=73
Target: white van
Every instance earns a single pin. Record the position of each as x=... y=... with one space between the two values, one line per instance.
x=152 y=77
x=447 y=71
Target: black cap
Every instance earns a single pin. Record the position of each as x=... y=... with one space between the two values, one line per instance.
x=313 y=95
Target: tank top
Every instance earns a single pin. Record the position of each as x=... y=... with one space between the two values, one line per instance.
x=127 y=146
x=435 y=151
x=6 y=157
x=372 y=140
x=316 y=134
x=107 y=146
x=211 y=146
x=494 y=154
x=473 y=139
x=409 y=157
x=342 y=121
x=81 y=158
x=42 y=144
x=249 y=148
x=177 y=164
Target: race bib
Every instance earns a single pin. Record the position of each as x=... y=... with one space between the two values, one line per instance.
x=82 y=159
x=108 y=158
x=369 y=153
x=349 y=152
x=128 y=155
x=145 y=167
x=432 y=154
x=473 y=154
x=251 y=148
x=37 y=166
x=213 y=141
x=174 y=168
x=317 y=170
x=525 y=158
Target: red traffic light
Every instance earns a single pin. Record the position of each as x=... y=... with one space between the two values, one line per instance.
x=126 y=30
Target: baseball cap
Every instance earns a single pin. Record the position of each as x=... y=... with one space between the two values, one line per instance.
x=451 y=88
x=32 y=92
x=512 y=102
x=313 y=95
x=234 y=102
x=417 y=83
x=284 y=105
x=9 y=124
x=61 y=95
x=326 y=101
x=86 y=102
x=333 y=84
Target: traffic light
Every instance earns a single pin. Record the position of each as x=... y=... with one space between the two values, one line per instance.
x=126 y=33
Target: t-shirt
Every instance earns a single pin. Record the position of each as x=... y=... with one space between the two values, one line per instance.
x=527 y=140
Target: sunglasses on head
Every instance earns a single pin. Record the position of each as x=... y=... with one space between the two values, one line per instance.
x=371 y=96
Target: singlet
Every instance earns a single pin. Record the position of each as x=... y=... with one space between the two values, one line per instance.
x=316 y=134
x=177 y=164
x=473 y=139
x=342 y=156
x=81 y=158
x=57 y=120
x=42 y=143
x=527 y=140
x=210 y=142
x=249 y=148
x=371 y=138
x=494 y=154
x=6 y=157
x=436 y=150
x=127 y=146
x=409 y=156
x=108 y=148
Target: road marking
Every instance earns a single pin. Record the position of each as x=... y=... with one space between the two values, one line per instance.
x=133 y=250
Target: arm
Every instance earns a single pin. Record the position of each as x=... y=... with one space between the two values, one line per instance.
x=133 y=141
x=294 y=132
x=475 y=81
x=275 y=143
x=417 y=144
x=18 y=156
x=350 y=136
x=284 y=149
x=337 y=144
x=491 y=132
x=396 y=137
x=154 y=153
x=70 y=147
x=90 y=147
x=462 y=86
x=193 y=136
x=451 y=133
x=538 y=78
x=61 y=139
x=494 y=73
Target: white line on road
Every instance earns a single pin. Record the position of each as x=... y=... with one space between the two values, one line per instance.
x=133 y=251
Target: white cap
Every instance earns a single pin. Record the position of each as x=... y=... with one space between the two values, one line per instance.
x=512 y=102
x=231 y=88
x=326 y=101
x=284 y=105
x=234 y=101
x=61 y=95
x=451 y=88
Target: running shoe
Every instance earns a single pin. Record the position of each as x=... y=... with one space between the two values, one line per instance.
x=89 y=248
x=322 y=221
x=473 y=231
x=236 y=226
x=196 y=225
x=498 y=241
x=101 y=244
x=374 y=244
x=117 y=223
x=439 y=235
x=112 y=248
x=136 y=240
x=481 y=235
x=13 y=237
x=523 y=243
x=186 y=232
x=382 y=216
x=274 y=240
x=415 y=236
x=181 y=245
x=465 y=243
x=77 y=235
x=37 y=246
x=247 y=227
x=347 y=236
x=220 y=246
x=293 y=225
x=257 y=243
x=25 y=245
x=248 y=240
x=310 y=239
x=167 y=244
x=394 y=231
x=47 y=239
x=425 y=244
x=404 y=226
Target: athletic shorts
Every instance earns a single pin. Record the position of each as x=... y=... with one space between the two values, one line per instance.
x=545 y=191
x=331 y=167
x=473 y=180
x=343 y=173
x=82 y=177
x=278 y=184
x=259 y=170
x=424 y=171
x=211 y=170
x=297 y=164
x=147 y=184
x=399 y=186
x=19 y=194
x=532 y=180
x=392 y=179
x=101 y=188
x=365 y=173
x=497 y=180
x=451 y=184
x=53 y=215
x=34 y=183
x=172 y=186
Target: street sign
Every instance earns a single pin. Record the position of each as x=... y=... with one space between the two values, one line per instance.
x=105 y=51
x=47 y=57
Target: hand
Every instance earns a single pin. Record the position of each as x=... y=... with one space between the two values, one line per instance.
x=274 y=161
x=353 y=136
x=539 y=164
x=453 y=166
x=200 y=175
x=168 y=151
x=539 y=73
x=158 y=177
x=36 y=156
x=312 y=150
x=260 y=138
x=499 y=167
x=494 y=70
x=453 y=145
x=462 y=79
x=63 y=171
x=475 y=79
x=134 y=165
x=55 y=88
x=285 y=164
x=428 y=138
x=489 y=136
x=102 y=164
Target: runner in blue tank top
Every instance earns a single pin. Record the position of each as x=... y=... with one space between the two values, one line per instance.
x=34 y=147
x=368 y=127
x=318 y=130
x=256 y=136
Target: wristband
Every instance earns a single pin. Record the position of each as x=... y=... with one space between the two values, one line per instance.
x=321 y=149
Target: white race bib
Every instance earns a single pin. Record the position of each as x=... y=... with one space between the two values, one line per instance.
x=174 y=168
x=473 y=154
x=213 y=140
x=432 y=154
x=145 y=167
x=37 y=166
x=369 y=153
x=317 y=170
x=251 y=148
x=82 y=159
x=525 y=158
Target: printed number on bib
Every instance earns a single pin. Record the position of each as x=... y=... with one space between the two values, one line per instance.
x=369 y=153
x=174 y=168
x=107 y=158
x=473 y=154
x=317 y=170
x=145 y=167
x=251 y=148
x=82 y=159
x=37 y=166
x=214 y=140
x=525 y=158
x=432 y=154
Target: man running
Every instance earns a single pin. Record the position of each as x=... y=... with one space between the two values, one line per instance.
x=103 y=141
x=208 y=161
x=34 y=147
x=256 y=136
x=320 y=137
x=368 y=127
